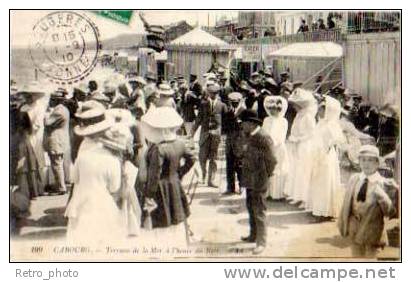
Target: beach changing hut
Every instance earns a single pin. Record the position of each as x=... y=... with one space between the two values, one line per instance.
x=196 y=51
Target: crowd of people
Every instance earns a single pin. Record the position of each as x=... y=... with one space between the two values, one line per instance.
x=121 y=147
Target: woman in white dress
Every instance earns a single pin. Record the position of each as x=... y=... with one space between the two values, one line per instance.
x=276 y=126
x=300 y=146
x=326 y=182
x=93 y=214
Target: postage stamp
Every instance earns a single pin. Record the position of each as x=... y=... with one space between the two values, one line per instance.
x=64 y=46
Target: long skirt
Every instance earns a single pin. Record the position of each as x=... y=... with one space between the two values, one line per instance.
x=301 y=166
x=326 y=189
x=172 y=205
x=279 y=179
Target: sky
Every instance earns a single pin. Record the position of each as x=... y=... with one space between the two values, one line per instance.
x=22 y=22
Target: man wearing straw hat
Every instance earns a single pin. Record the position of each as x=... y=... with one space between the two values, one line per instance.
x=210 y=119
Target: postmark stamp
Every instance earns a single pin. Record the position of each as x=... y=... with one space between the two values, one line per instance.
x=65 y=46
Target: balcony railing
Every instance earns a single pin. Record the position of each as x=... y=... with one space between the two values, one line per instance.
x=310 y=36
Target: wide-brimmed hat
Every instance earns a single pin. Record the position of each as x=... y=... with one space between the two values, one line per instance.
x=250 y=116
x=137 y=79
x=92 y=119
x=235 y=96
x=82 y=86
x=165 y=89
x=34 y=88
x=99 y=97
x=118 y=137
x=162 y=117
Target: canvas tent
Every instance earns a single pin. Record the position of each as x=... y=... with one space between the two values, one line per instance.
x=196 y=51
x=307 y=61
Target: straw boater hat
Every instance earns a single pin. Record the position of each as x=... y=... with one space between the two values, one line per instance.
x=92 y=119
x=165 y=89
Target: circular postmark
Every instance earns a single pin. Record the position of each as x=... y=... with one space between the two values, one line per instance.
x=65 y=46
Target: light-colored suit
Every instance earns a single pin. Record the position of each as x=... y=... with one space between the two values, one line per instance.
x=58 y=144
x=363 y=222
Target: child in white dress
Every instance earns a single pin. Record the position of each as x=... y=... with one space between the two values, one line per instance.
x=276 y=126
x=326 y=182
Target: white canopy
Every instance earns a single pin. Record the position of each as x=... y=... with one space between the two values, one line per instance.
x=199 y=37
x=312 y=49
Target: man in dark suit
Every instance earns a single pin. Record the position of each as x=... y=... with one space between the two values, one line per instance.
x=188 y=104
x=233 y=148
x=258 y=165
x=195 y=86
x=210 y=118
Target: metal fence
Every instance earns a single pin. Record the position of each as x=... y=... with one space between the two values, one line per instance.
x=334 y=35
